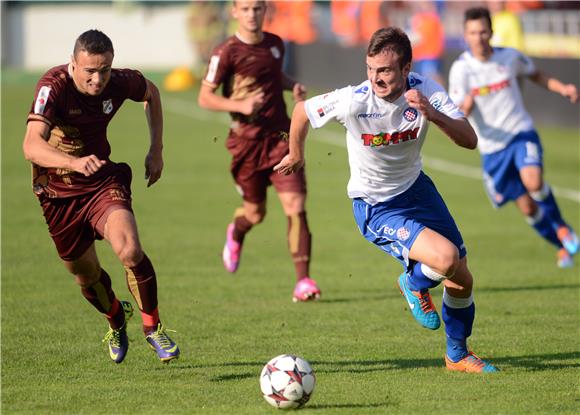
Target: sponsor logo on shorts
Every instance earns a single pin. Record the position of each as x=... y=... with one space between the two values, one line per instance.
x=410 y=114
x=403 y=234
x=118 y=194
x=386 y=229
x=107 y=106
x=41 y=99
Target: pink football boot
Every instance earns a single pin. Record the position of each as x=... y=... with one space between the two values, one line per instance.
x=232 y=251
x=306 y=290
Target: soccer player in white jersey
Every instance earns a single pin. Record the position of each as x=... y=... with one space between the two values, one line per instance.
x=396 y=206
x=483 y=81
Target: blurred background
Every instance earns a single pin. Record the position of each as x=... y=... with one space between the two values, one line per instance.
x=325 y=40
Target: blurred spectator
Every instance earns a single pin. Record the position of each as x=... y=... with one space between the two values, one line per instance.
x=507 y=27
x=354 y=22
x=428 y=40
x=292 y=21
x=207 y=27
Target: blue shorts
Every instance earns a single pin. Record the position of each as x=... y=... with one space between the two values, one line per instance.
x=501 y=170
x=394 y=225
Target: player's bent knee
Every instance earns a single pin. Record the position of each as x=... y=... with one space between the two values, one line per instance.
x=130 y=254
x=87 y=280
x=256 y=217
x=446 y=262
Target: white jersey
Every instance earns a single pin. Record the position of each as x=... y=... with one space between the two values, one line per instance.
x=384 y=139
x=498 y=114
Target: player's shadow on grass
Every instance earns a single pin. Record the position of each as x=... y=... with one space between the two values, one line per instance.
x=538 y=362
x=529 y=288
x=347 y=406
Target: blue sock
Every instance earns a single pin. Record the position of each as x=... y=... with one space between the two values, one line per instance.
x=418 y=281
x=545 y=228
x=458 y=315
x=456 y=349
x=547 y=202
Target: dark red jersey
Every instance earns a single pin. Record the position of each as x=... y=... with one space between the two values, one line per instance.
x=78 y=125
x=245 y=70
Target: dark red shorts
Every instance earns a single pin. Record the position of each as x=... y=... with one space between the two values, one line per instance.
x=76 y=222
x=252 y=168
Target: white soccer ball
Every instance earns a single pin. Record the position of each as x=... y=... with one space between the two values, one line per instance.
x=287 y=382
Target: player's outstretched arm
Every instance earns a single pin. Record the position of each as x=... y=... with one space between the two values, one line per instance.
x=154 y=114
x=458 y=130
x=38 y=151
x=555 y=85
x=294 y=160
x=209 y=100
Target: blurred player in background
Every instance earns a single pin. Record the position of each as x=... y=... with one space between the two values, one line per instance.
x=396 y=206
x=84 y=195
x=249 y=66
x=484 y=83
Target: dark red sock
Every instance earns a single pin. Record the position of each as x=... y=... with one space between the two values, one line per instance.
x=241 y=226
x=142 y=283
x=102 y=297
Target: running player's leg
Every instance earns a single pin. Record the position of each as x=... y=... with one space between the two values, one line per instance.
x=433 y=258
x=458 y=313
x=299 y=244
x=503 y=183
x=96 y=287
x=528 y=159
x=120 y=230
x=548 y=213
x=252 y=185
x=245 y=218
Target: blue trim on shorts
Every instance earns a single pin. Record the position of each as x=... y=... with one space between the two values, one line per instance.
x=394 y=225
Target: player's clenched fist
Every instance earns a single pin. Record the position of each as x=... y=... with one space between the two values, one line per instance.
x=87 y=165
x=420 y=103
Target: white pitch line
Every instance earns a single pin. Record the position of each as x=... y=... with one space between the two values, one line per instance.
x=192 y=110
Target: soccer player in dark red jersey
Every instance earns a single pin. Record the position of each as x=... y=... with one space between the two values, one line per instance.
x=83 y=194
x=249 y=66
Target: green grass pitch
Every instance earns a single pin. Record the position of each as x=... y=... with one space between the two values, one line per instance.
x=369 y=355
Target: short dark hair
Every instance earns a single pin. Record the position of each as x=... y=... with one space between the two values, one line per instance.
x=476 y=13
x=93 y=42
x=394 y=40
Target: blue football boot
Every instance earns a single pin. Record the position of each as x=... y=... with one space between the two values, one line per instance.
x=420 y=304
x=159 y=341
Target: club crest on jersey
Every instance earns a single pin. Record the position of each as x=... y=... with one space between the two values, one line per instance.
x=410 y=114
x=107 y=106
x=403 y=234
x=275 y=52
x=41 y=99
